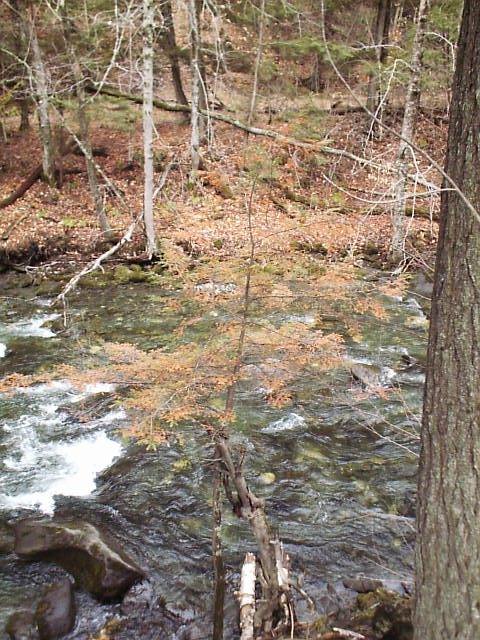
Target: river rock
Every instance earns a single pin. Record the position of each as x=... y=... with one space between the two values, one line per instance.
x=56 y=611
x=21 y=626
x=367 y=374
x=7 y=539
x=97 y=563
x=362 y=585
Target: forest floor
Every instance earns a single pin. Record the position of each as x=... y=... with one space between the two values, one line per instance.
x=303 y=200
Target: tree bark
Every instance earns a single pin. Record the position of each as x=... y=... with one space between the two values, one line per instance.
x=381 y=35
x=171 y=49
x=40 y=82
x=448 y=548
x=412 y=103
x=148 y=40
x=196 y=87
x=258 y=60
x=68 y=32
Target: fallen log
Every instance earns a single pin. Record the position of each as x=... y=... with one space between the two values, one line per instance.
x=319 y=147
x=29 y=181
x=35 y=175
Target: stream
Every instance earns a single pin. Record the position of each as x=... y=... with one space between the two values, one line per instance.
x=337 y=468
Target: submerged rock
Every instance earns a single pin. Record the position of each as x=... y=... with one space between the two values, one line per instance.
x=96 y=563
x=21 y=626
x=56 y=611
x=362 y=585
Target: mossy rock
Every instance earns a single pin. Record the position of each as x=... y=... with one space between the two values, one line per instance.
x=388 y=614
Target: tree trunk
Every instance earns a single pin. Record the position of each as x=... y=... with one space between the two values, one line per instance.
x=171 y=49
x=40 y=82
x=196 y=88
x=148 y=39
x=258 y=61
x=448 y=548
x=381 y=35
x=412 y=103
x=24 y=115
x=68 y=32
x=20 y=51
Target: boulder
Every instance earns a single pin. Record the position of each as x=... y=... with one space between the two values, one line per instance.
x=21 y=626
x=56 y=611
x=97 y=563
x=367 y=374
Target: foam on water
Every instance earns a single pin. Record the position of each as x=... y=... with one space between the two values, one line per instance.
x=3 y=350
x=71 y=472
x=45 y=459
x=287 y=423
x=32 y=327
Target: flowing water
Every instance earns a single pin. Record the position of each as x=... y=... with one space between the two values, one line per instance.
x=337 y=468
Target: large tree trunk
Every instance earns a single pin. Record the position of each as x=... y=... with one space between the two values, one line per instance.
x=171 y=49
x=82 y=115
x=412 y=103
x=40 y=82
x=148 y=39
x=448 y=520
x=381 y=35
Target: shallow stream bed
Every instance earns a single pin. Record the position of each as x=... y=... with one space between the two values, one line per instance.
x=337 y=467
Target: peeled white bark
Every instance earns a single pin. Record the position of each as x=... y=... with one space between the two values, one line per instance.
x=408 y=129
x=246 y=597
x=148 y=37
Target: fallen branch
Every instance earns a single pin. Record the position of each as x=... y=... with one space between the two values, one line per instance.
x=97 y=263
x=29 y=181
x=319 y=147
x=246 y=597
x=350 y=635
x=13 y=225
x=35 y=175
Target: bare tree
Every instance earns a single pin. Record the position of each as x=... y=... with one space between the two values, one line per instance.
x=381 y=35
x=258 y=61
x=448 y=548
x=412 y=103
x=171 y=49
x=148 y=53
x=83 y=122
x=197 y=80
x=27 y=15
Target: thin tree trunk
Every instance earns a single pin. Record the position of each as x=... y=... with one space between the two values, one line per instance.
x=381 y=35
x=24 y=115
x=148 y=39
x=412 y=104
x=40 y=82
x=258 y=61
x=83 y=123
x=448 y=524
x=20 y=50
x=203 y=97
x=196 y=88
x=218 y=565
x=171 y=50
